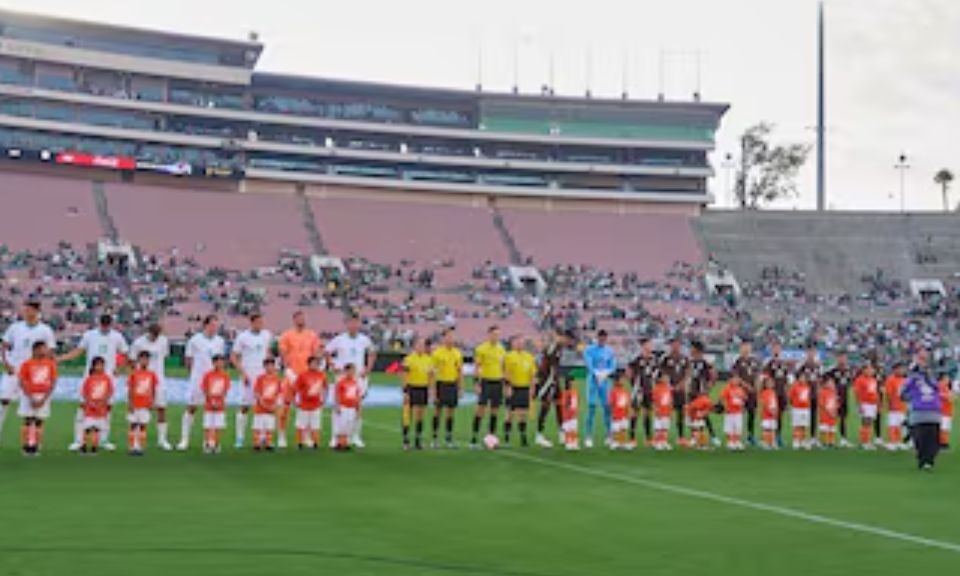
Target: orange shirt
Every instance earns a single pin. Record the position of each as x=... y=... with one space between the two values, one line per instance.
x=267 y=390
x=734 y=398
x=296 y=348
x=700 y=408
x=800 y=395
x=311 y=390
x=620 y=402
x=215 y=386
x=348 y=393
x=946 y=400
x=866 y=389
x=142 y=389
x=769 y=407
x=38 y=376
x=96 y=392
x=892 y=388
x=828 y=406
x=662 y=400
x=569 y=404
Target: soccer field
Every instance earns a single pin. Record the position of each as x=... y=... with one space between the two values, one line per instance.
x=523 y=512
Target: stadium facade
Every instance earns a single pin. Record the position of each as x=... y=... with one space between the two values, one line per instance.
x=79 y=94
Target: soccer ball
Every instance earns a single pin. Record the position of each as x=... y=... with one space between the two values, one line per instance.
x=491 y=441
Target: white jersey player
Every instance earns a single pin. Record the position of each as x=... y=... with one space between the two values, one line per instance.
x=201 y=348
x=353 y=348
x=157 y=345
x=101 y=342
x=250 y=349
x=16 y=348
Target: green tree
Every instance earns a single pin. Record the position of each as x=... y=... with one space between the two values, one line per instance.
x=944 y=178
x=767 y=171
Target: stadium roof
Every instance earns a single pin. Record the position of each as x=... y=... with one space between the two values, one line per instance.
x=124 y=32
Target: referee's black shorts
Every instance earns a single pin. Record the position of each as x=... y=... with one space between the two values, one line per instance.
x=491 y=393
x=519 y=398
x=418 y=395
x=448 y=395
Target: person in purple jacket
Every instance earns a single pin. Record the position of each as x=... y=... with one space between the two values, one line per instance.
x=923 y=397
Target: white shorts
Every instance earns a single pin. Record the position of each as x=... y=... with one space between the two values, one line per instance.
x=246 y=391
x=832 y=428
x=769 y=425
x=160 y=399
x=309 y=419
x=26 y=409
x=868 y=411
x=620 y=425
x=214 y=420
x=195 y=398
x=569 y=426
x=661 y=424
x=733 y=424
x=895 y=419
x=698 y=424
x=98 y=424
x=800 y=417
x=345 y=422
x=139 y=416
x=264 y=422
x=946 y=424
x=9 y=388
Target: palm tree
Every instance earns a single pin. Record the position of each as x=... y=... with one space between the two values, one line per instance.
x=944 y=177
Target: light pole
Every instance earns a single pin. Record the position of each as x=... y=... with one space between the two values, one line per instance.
x=902 y=166
x=728 y=165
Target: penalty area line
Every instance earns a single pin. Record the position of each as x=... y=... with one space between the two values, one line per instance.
x=740 y=503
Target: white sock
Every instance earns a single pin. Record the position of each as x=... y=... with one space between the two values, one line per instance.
x=357 y=426
x=186 y=423
x=162 y=432
x=78 y=427
x=241 y=427
x=105 y=436
x=3 y=416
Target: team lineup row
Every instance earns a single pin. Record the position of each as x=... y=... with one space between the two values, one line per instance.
x=659 y=390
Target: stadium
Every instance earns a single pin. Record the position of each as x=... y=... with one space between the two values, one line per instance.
x=162 y=179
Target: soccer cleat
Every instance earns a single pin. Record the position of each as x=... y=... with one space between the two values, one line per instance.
x=588 y=443
x=878 y=441
x=406 y=446
x=715 y=442
x=434 y=444
x=108 y=446
x=238 y=444
x=844 y=443
x=542 y=441
x=451 y=445
x=868 y=447
x=75 y=447
x=358 y=442
x=182 y=446
x=165 y=446
x=333 y=442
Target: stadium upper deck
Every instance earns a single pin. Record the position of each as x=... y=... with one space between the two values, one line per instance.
x=128 y=99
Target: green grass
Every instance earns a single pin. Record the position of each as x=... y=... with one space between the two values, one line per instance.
x=384 y=511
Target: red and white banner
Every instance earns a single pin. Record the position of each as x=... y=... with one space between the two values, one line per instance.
x=95 y=161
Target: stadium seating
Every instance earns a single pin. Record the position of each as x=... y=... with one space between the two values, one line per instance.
x=228 y=230
x=38 y=212
x=835 y=249
x=648 y=244
x=428 y=234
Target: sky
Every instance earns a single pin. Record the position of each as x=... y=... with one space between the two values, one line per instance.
x=893 y=75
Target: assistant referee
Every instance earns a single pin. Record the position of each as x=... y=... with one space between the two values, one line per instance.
x=488 y=358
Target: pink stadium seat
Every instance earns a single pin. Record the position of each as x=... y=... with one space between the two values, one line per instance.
x=38 y=212
x=231 y=230
x=648 y=244
x=427 y=234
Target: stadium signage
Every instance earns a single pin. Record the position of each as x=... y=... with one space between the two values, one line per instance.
x=96 y=161
x=174 y=169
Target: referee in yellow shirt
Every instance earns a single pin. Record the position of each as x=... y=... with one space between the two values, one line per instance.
x=417 y=373
x=448 y=377
x=520 y=367
x=488 y=358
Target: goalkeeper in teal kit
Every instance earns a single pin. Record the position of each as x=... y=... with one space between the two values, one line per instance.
x=601 y=363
